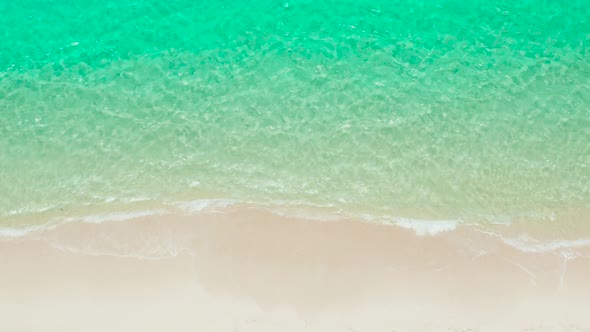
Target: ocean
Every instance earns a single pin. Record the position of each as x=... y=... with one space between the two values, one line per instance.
x=410 y=112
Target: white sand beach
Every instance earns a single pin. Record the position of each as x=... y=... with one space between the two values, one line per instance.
x=246 y=270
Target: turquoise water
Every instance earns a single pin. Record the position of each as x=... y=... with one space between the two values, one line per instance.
x=422 y=108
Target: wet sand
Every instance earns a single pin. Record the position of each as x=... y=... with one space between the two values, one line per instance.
x=247 y=270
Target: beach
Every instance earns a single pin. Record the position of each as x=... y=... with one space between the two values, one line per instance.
x=300 y=165
x=243 y=269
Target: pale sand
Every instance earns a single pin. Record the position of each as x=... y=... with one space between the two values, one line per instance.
x=245 y=270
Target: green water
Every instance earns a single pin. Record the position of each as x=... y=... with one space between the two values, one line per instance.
x=420 y=108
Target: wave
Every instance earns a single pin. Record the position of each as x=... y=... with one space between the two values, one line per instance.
x=320 y=213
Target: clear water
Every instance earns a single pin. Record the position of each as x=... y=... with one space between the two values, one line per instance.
x=421 y=108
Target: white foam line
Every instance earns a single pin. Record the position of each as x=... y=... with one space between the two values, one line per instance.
x=95 y=219
x=117 y=216
x=305 y=215
x=281 y=209
x=190 y=207
x=547 y=247
x=19 y=232
x=296 y=204
x=534 y=246
x=201 y=205
x=427 y=227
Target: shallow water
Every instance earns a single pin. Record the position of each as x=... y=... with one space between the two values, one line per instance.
x=422 y=109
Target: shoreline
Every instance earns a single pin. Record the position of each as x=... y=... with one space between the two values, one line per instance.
x=247 y=270
x=527 y=231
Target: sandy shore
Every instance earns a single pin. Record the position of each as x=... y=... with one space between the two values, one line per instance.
x=245 y=270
